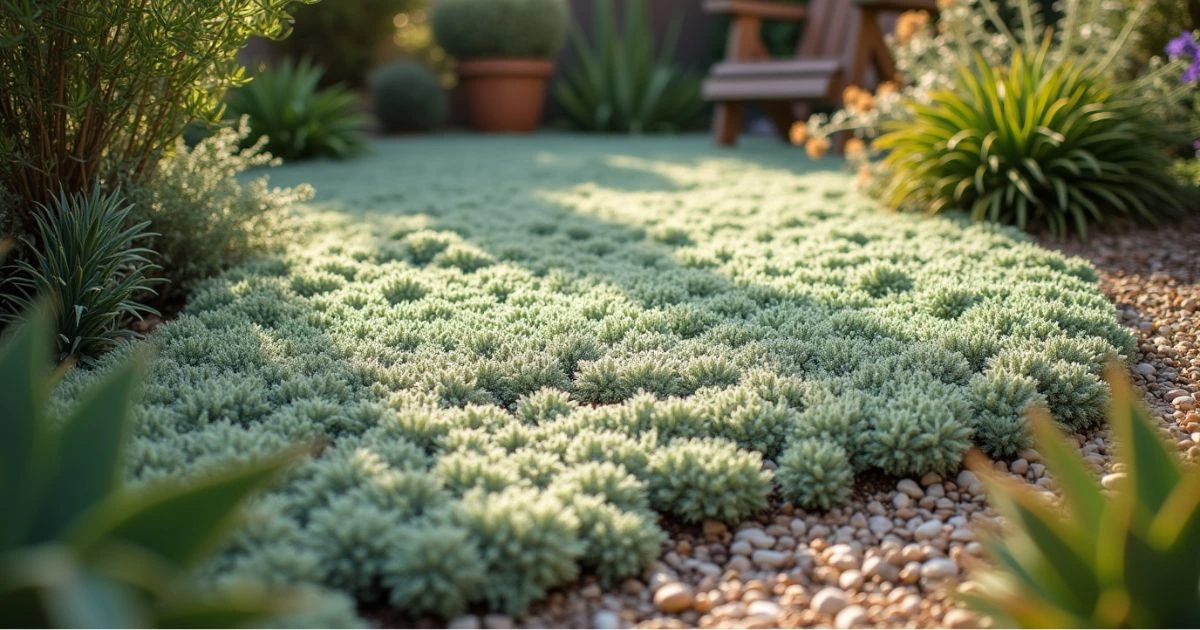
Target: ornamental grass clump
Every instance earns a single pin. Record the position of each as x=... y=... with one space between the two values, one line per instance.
x=298 y=119
x=87 y=260
x=622 y=83
x=1018 y=112
x=1057 y=146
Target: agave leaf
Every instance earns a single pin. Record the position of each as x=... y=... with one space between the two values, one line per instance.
x=46 y=587
x=25 y=371
x=226 y=610
x=1153 y=470
x=1068 y=570
x=90 y=450
x=180 y=523
x=1163 y=582
x=1079 y=489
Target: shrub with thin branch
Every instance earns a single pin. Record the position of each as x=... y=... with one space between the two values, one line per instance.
x=92 y=89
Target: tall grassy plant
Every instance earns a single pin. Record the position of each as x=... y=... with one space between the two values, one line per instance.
x=92 y=89
x=1032 y=144
x=85 y=258
x=1125 y=559
x=621 y=84
x=299 y=120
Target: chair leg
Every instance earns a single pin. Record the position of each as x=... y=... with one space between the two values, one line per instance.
x=727 y=123
x=782 y=116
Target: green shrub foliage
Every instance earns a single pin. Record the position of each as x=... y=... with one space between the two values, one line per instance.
x=815 y=474
x=636 y=337
x=205 y=215
x=88 y=261
x=408 y=97
x=1039 y=143
x=469 y=29
x=97 y=91
x=343 y=36
x=685 y=475
x=299 y=120
x=621 y=83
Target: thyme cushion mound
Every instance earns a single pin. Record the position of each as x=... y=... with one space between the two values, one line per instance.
x=525 y=367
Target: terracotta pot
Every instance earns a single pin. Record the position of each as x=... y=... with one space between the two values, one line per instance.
x=505 y=95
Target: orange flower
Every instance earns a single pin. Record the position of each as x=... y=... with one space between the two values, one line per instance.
x=864 y=176
x=887 y=87
x=909 y=24
x=799 y=133
x=942 y=5
x=866 y=102
x=855 y=148
x=850 y=95
x=816 y=147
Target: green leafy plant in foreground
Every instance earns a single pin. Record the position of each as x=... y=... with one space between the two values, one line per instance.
x=619 y=82
x=86 y=258
x=1126 y=559
x=78 y=550
x=1036 y=143
x=299 y=120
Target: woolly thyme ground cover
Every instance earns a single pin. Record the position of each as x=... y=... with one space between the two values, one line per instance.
x=516 y=354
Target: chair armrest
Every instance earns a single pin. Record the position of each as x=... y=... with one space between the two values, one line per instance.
x=763 y=9
x=898 y=5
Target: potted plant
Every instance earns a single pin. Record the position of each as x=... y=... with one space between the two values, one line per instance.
x=505 y=51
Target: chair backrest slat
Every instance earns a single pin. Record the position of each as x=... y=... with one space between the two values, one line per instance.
x=830 y=30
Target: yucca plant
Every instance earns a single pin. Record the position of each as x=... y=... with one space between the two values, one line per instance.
x=1035 y=143
x=299 y=120
x=1126 y=558
x=79 y=550
x=84 y=257
x=619 y=82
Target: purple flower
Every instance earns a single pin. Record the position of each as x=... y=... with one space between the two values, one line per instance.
x=1192 y=74
x=1186 y=46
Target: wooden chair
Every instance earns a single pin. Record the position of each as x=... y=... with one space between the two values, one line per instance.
x=840 y=40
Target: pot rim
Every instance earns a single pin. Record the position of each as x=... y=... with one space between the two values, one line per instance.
x=506 y=66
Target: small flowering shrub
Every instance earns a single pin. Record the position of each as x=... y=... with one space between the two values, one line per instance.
x=204 y=216
x=951 y=74
x=1030 y=145
x=1186 y=49
x=616 y=341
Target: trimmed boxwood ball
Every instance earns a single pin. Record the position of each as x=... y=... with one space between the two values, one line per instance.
x=471 y=29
